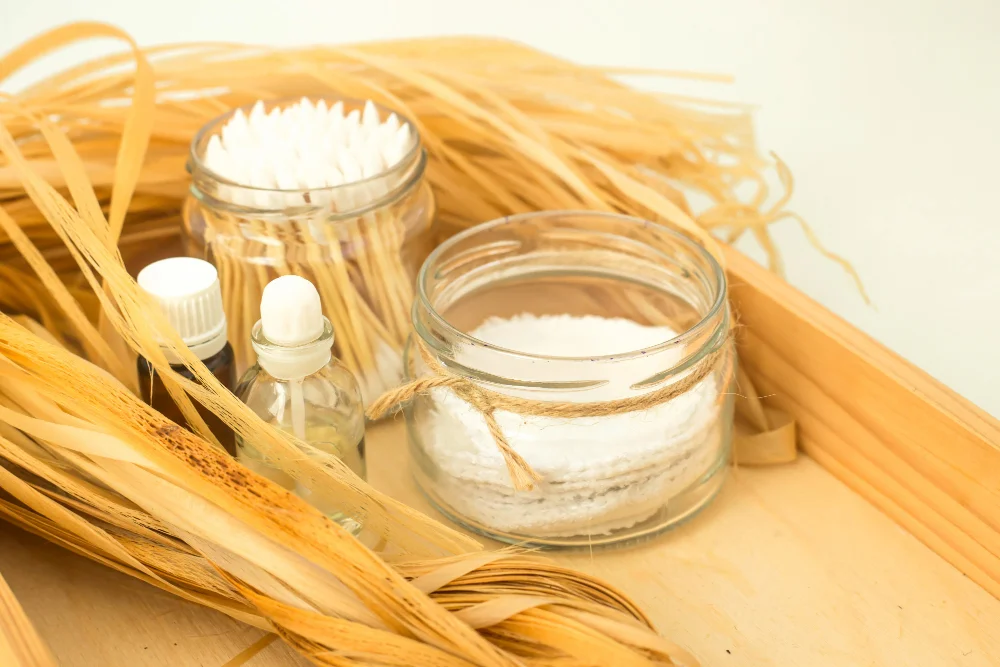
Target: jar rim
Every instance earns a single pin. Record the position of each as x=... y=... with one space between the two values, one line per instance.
x=718 y=284
x=213 y=126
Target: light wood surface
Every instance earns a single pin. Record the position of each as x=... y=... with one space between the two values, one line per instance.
x=912 y=447
x=787 y=567
x=20 y=645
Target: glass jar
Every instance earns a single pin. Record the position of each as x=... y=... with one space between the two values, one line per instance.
x=564 y=309
x=360 y=243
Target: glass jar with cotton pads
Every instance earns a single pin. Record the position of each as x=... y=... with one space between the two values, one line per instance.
x=331 y=190
x=576 y=372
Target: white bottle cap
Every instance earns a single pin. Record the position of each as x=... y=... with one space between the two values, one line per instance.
x=290 y=311
x=293 y=326
x=189 y=294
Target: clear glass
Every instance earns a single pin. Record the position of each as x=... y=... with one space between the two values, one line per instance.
x=324 y=410
x=605 y=480
x=361 y=244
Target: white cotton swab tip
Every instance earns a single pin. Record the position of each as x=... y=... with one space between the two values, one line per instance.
x=306 y=145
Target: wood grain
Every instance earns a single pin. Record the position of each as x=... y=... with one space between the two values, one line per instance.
x=787 y=567
x=912 y=447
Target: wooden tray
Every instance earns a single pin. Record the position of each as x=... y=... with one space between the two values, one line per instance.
x=919 y=452
x=787 y=567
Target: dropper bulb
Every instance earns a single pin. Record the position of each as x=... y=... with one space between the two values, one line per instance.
x=290 y=311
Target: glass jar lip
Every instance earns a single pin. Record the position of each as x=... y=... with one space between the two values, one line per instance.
x=718 y=277
x=195 y=162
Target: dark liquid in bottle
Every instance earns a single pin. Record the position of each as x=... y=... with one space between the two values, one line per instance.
x=221 y=364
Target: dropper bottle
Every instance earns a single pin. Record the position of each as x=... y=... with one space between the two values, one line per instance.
x=298 y=385
x=188 y=292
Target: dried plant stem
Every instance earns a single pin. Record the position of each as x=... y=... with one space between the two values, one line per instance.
x=315 y=588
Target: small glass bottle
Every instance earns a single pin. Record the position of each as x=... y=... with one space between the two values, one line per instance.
x=298 y=386
x=189 y=294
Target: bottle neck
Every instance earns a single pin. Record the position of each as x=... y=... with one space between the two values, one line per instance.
x=203 y=349
x=293 y=363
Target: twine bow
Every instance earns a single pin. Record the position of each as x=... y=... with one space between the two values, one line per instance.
x=488 y=402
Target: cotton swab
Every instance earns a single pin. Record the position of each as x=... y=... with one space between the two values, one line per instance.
x=305 y=146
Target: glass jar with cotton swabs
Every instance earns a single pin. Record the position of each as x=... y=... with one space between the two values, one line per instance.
x=330 y=190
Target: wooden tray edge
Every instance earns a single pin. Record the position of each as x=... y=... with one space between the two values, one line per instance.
x=924 y=455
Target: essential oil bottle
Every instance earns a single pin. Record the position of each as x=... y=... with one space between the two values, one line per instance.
x=189 y=294
x=298 y=386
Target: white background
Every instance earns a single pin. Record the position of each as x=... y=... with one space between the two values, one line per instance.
x=887 y=112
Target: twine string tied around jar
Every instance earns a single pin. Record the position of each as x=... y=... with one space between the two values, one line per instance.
x=487 y=402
